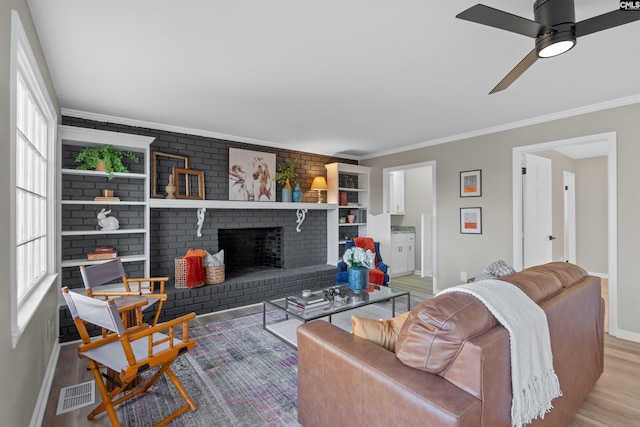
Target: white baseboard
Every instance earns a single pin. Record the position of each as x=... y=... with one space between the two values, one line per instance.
x=628 y=335
x=45 y=389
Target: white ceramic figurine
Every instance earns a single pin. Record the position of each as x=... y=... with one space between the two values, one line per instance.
x=107 y=223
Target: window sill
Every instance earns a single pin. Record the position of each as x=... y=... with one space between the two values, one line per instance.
x=29 y=307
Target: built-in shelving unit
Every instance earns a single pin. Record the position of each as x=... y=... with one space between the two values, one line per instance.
x=353 y=182
x=78 y=209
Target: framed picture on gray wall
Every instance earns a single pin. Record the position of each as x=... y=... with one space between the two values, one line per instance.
x=471 y=183
x=471 y=220
x=251 y=175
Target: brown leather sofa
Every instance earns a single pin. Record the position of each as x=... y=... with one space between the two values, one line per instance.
x=464 y=376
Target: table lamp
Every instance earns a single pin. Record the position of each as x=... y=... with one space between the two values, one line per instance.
x=319 y=184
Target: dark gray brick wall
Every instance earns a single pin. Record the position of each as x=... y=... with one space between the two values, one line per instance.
x=173 y=231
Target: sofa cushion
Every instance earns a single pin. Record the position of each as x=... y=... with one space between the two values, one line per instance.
x=544 y=281
x=381 y=332
x=435 y=330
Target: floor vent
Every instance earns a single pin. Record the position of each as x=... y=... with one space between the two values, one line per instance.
x=76 y=396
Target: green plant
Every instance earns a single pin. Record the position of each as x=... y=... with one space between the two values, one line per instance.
x=111 y=157
x=286 y=172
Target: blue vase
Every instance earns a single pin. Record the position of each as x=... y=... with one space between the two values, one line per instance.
x=286 y=194
x=297 y=194
x=358 y=278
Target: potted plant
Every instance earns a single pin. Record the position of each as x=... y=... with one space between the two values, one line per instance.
x=284 y=175
x=104 y=158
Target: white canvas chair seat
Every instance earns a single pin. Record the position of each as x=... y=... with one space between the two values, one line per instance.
x=112 y=355
x=128 y=352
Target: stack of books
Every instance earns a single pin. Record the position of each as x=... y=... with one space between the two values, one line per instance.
x=316 y=301
x=102 y=253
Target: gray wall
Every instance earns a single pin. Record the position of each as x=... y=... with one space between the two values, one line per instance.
x=591 y=222
x=22 y=369
x=492 y=153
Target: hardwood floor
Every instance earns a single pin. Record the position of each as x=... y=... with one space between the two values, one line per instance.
x=614 y=401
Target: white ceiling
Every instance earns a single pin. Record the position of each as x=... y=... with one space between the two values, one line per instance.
x=329 y=76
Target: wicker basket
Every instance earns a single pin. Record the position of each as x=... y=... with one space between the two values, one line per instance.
x=214 y=275
x=181 y=274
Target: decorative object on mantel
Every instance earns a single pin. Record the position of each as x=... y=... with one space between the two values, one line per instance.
x=284 y=175
x=162 y=165
x=358 y=262
x=186 y=188
x=319 y=184
x=297 y=193
x=107 y=223
x=104 y=158
x=250 y=175
x=170 y=188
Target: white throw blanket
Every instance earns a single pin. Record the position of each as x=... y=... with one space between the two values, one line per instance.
x=533 y=380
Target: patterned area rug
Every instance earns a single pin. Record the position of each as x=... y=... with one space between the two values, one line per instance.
x=238 y=375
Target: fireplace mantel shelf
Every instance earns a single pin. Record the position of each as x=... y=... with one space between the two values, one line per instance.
x=232 y=204
x=202 y=206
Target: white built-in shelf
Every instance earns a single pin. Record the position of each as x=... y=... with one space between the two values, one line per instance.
x=97 y=202
x=84 y=261
x=102 y=232
x=351 y=224
x=351 y=189
x=103 y=174
x=236 y=204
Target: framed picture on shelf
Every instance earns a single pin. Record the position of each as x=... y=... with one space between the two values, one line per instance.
x=251 y=175
x=189 y=183
x=471 y=183
x=162 y=165
x=471 y=220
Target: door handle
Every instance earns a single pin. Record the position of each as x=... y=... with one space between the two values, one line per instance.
x=552 y=237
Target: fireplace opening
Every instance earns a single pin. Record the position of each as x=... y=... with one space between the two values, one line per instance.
x=248 y=250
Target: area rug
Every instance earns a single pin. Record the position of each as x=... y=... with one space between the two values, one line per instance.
x=238 y=374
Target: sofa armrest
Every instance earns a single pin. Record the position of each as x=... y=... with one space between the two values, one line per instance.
x=347 y=380
x=382 y=266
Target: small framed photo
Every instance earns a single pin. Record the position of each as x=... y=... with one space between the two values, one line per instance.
x=471 y=183
x=471 y=220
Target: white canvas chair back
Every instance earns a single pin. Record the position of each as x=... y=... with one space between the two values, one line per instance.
x=100 y=274
x=100 y=313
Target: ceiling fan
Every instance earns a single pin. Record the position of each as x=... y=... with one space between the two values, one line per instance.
x=553 y=28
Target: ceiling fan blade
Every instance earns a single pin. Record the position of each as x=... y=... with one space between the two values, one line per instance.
x=486 y=15
x=516 y=72
x=606 y=21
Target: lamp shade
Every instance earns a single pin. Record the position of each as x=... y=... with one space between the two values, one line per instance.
x=319 y=183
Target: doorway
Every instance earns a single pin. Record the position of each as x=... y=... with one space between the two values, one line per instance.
x=609 y=143
x=420 y=208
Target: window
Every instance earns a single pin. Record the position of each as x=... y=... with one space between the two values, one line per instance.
x=33 y=150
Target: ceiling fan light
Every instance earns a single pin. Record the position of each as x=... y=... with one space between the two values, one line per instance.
x=554 y=44
x=556 y=49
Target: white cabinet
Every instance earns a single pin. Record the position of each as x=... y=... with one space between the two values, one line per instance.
x=403 y=254
x=396 y=196
x=78 y=189
x=348 y=187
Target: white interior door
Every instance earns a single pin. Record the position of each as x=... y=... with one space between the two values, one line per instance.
x=536 y=212
x=569 y=179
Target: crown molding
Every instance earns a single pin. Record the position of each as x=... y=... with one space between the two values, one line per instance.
x=513 y=125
